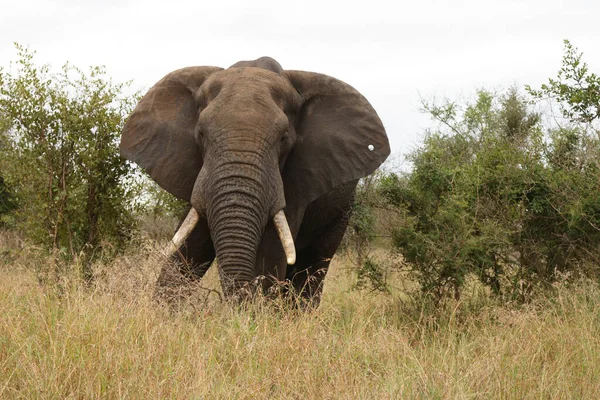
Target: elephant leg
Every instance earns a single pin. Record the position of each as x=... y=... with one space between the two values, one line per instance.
x=188 y=265
x=307 y=275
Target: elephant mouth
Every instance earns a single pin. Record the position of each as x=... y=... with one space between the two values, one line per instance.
x=190 y=221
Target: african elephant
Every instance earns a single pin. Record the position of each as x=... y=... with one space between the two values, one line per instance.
x=269 y=160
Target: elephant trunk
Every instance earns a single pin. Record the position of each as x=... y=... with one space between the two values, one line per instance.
x=238 y=190
x=238 y=205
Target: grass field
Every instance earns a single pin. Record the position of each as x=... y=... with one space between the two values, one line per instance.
x=65 y=341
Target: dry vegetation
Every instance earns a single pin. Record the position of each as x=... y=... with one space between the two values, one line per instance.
x=63 y=340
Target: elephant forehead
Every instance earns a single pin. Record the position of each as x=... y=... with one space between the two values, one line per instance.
x=256 y=80
x=245 y=111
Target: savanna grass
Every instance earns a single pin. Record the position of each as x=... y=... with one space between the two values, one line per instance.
x=69 y=340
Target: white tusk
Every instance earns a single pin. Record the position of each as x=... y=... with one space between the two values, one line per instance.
x=183 y=232
x=283 y=230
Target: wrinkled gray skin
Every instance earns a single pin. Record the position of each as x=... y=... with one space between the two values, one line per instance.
x=242 y=143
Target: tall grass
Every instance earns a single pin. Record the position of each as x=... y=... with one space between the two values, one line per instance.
x=65 y=340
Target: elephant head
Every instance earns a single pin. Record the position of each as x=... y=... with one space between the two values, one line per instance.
x=245 y=143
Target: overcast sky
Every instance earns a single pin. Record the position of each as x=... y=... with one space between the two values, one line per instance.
x=394 y=52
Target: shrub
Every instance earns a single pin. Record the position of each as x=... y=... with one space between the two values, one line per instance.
x=60 y=156
x=491 y=196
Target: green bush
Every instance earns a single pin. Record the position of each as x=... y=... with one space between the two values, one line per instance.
x=494 y=194
x=60 y=157
x=7 y=203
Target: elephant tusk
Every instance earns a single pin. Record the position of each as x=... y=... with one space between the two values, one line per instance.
x=183 y=232
x=283 y=230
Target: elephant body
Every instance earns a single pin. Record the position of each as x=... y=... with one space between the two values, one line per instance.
x=243 y=144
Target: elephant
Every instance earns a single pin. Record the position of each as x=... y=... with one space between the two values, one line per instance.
x=268 y=160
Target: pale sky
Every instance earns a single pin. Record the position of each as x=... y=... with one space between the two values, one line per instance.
x=394 y=52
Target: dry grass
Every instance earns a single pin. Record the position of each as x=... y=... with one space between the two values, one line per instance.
x=62 y=341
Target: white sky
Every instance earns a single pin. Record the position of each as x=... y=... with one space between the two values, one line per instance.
x=394 y=52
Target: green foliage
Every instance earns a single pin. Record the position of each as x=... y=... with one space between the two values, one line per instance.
x=370 y=274
x=495 y=195
x=576 y=90
x=60 y=155
x=7 y=200
x=162 y=203
x=7 y=203
x=491 y=197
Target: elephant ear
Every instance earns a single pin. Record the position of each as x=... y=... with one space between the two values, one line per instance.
x=340 y=138
x=159 y=134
